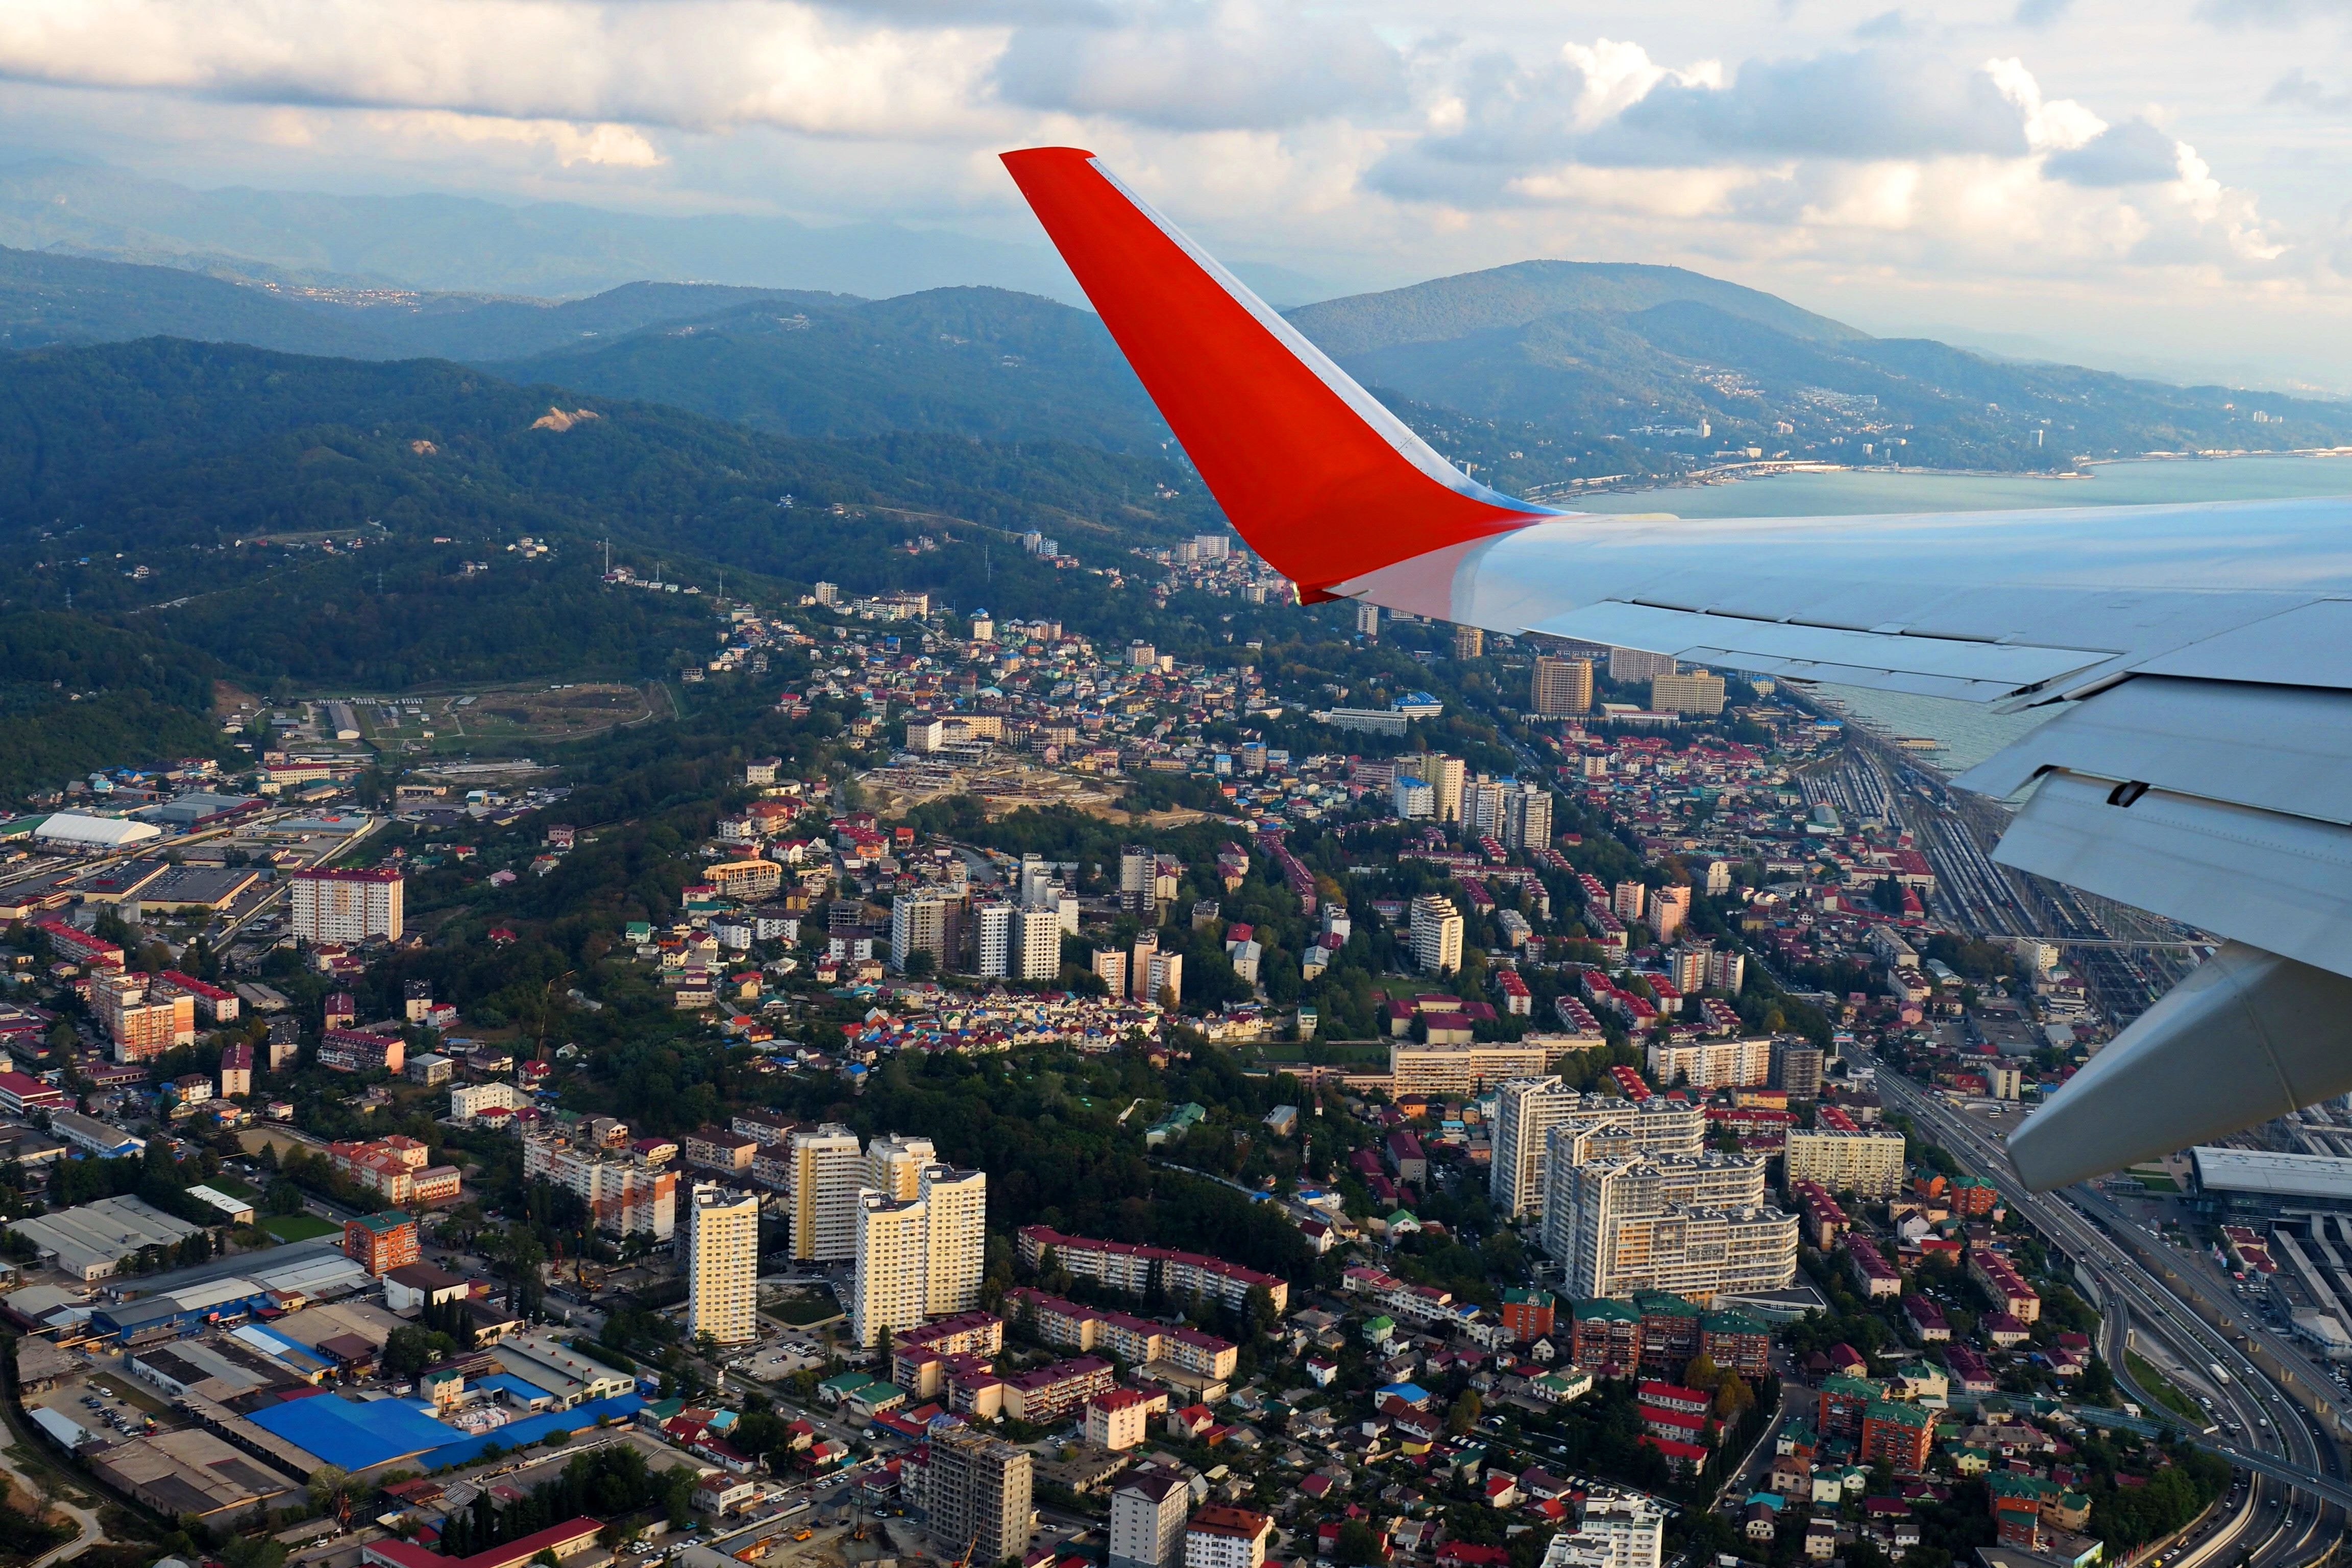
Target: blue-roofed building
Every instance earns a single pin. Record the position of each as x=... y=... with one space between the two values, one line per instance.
x=354 y=1435
x=1412 y=1393
x=512 y=1390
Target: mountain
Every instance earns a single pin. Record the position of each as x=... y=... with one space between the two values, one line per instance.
x=49 y=299
x=1447 y=309
x=1546 y=372
x=467 y=245
x=348 y=521
x=979 y=361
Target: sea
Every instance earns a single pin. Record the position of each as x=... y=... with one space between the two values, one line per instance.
x=1968 y=731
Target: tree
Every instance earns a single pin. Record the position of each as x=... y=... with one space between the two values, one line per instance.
x=1357 y=1546
x=409 y=1350
x=1465 y=1414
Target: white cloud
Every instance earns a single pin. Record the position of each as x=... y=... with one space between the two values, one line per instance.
x=1205 y=65
x=698 y=64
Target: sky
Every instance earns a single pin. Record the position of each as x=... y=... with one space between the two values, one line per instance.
x=2147 y=184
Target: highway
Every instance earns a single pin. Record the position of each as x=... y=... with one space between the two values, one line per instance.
x=2290 y=1511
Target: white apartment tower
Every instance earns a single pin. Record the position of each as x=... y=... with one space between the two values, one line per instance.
x=1539 y=1120
x=992 y=930
x=346 y=906
x=722 y=1264
x=828 y=1170
x=1693 y=1226
x=1437 y=934
x=1036 y=945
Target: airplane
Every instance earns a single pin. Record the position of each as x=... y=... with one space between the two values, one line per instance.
x=2201 y=765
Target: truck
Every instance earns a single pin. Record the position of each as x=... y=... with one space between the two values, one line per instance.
x=2215 y=1368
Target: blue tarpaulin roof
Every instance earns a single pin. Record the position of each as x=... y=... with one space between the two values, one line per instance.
x=350 y=1434
x=530 y=1429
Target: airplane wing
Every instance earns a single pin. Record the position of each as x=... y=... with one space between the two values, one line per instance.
x=2201 y=767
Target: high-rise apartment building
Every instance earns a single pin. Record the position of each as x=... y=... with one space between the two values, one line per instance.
x=624 y=1194
x=1669 y=908
x=1368 y=619
x=895 y=1161
x=345 y=906
x=1148 y=1509
x=827 y=1169
x=1527 y=817
x=1164 y=978
x=976 y=1497
x=1436 y=934
x=887 y=1294
x=1110 y=965
x=991 y=927
x=955 y=1257
x=1628 y=899
x=922 y=922
x=1695 y=1226
x=1445 y=776
x=1868 y=1160
x=1712 y=1064
x=920 y=1255
x=1695 y=692
x=1562 y=687
x=1469 y=642
x=1483 y=810
x=722 y=1264
x=1530 y=1109
x=1138 y=965
x=1139 y=871
x=1037 y=941
x=1466 y=1066
x=143 y=1021
x=1797 y=1068
x=1629 y=666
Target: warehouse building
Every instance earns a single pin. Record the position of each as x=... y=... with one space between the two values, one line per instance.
x=90 y=1241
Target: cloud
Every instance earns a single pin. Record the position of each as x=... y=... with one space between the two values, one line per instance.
x=1866 y=103
x=2041 y=12
x=696 y=64
x=1198 y=65
x=2130 y=153
x=1611 y=106
x=2298 y=90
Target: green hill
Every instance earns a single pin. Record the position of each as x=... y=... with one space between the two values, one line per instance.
x=979 y=362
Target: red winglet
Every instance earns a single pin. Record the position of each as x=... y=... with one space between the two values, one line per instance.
x=1320 y=480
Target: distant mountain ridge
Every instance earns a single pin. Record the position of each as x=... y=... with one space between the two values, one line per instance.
x=466 y=244
x=1538 y=375
x=1443 y=309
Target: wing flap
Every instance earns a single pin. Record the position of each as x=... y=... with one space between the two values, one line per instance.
x=2248 y=1037
x=2310 y=645
x=2274 y=881
x=2274 y=748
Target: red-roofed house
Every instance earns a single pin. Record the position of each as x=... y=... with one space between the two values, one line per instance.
x=569 y=1539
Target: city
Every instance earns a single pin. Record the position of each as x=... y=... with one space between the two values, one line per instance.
x=1212 y=786
x=1360 y=1153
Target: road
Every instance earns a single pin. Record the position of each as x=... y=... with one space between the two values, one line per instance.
x=2278 y=1521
